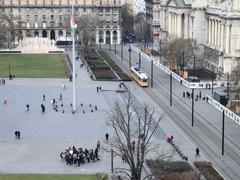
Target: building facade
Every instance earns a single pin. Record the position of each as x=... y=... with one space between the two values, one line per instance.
x=50 y=18
x=214 y=24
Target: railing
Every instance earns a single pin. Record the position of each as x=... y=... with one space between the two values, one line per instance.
x=206 y=84
x=227 y=112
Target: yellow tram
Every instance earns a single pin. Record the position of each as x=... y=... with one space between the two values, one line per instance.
x=139 y=76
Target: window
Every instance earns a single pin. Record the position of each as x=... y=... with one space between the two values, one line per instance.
x=19 y=17
x=19 y=10
x=27 y=2
x=44 y=17
x=44 y=2
x=28 y=18
x=35 y=2
x=52 y=17
x=3 y=2
x=60 y=24
x=100 y=3
x=84 y=9
x=76 y=1
x=11 y=3
x=108 y=10
x=19 y=2
x=60 y=17
x=114 y=2
x=60 y=2
x=84 y=2
x=68 y=2
x=52 y=10
x=51 y=2
x=11 y=10
x=36 y=17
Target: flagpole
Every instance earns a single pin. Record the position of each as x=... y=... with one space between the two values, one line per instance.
x=74 y=61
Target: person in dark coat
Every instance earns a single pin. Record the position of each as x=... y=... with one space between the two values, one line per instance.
x=18 y=134
x=27 y=107
x=197 y=152
x=15 y=134
x=107 y=136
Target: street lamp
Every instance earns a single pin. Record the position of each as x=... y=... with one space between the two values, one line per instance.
x=192 y=107
x=212 y=79
x=129 y=50
x=171 y=89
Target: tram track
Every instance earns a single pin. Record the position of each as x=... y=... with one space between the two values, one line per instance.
x=206 y=129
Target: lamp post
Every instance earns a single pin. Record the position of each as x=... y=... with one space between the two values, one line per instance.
x=139 y=60
x=223 y=128
x=192 y=107
x=151 y=73
x=171 y=89
x=228 y=86
x=122 y=44
x=130 y=50
x=194 y=66
x=109 y=42
x=159 y=49
x=212 y=80
x=115 y=44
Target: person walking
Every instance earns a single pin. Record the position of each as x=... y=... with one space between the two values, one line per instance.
x=107 y=136
x=63 y=85
x=60 y=97
x=27 y=107
x=44 y=97
x=197 y=152
x=97 y=89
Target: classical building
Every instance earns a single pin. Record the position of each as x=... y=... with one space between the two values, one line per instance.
x=213 y=24
x=50 y=18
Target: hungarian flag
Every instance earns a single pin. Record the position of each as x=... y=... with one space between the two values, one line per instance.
x=73 y=25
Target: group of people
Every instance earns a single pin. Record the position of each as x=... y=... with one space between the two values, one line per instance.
x=74 y=156
x=190 y=95
x=99 y=88
x=2 y=82
x=17 y=134
x=43 y=108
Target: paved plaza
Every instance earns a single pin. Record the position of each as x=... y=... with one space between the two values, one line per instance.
x=45 y=135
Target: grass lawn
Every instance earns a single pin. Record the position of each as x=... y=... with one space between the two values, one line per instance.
x=46 y=177
x=33 y=65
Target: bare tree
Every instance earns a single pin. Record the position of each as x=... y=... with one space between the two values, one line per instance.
x=178 y=52
x=6 y=31
x=87 y=30
x=134 y=132
x=127 y=19
x=142 y=29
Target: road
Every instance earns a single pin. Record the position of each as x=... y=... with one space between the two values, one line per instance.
x=206 y=132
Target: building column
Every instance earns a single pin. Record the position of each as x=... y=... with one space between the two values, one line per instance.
x=227 y=37
x=216 y=33
x=163 y=19
x=97 y=37
x=222 y=37
x=212 y=34
x=179 y=26
x=119 y=37
x=104 y=37
x=169 y=23
x=208 y=27
x=111 y=38
x=219 y=34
